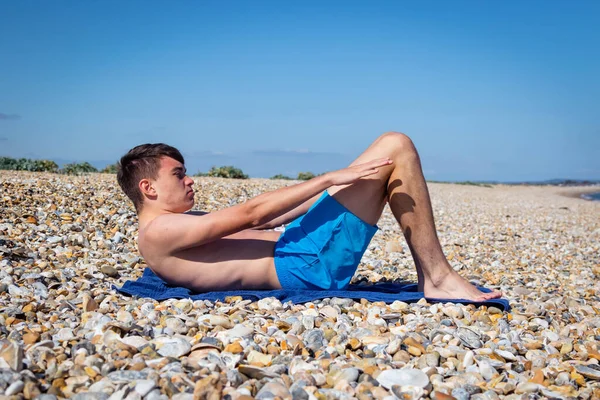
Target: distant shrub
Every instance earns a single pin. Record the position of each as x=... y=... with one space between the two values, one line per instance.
x=7 y=163
x=26 y=164
x=279 y=176
x=226 y=171
x=469 y=183
x=304 y=176
x=474 y=184
x=110 y=169
x=46 y=166
x=78 y=168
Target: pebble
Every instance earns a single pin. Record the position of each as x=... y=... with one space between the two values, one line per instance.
x=273 y=389
x=11 y=354
x=259 y=359
x=109 y=270
x=64 y=241
x=14 y=388
x=143 y=387
x=469 y=337
x=403 y=377
x=172 y=346
x=527 y=387
x=135 y=341
x=127 y=376
x=461 y=394
x=592 y=371
x=64 y=334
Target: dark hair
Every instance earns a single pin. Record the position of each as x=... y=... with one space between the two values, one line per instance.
x=142 y=162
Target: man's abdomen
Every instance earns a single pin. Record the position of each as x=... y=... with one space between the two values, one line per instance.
x=240 y=261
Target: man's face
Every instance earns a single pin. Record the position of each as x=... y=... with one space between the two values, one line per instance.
x=173 y=186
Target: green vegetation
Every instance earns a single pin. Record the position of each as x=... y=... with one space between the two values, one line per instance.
x=26 y=164
x=280 y=176
x=474 y=184
x=78 y=168
x=110 y=169
x=304 y=176
x=226 y=171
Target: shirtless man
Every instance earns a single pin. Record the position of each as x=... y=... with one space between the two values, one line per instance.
x=333 y=218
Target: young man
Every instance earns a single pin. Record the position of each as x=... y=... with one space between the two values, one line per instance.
x=333 y=218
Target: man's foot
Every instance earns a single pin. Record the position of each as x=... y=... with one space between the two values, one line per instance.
x=454 y=286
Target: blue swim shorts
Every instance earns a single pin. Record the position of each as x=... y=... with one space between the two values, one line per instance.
x=322 y=248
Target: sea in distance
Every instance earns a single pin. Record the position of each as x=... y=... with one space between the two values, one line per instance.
x=591 y=196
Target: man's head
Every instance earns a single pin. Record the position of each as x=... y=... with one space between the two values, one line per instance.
x=156 y=173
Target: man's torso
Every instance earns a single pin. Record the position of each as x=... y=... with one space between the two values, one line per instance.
x=243 y=260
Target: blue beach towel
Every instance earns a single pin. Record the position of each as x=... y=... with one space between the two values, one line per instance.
x=150 y=285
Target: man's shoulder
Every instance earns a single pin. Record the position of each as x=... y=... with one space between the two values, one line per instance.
x=170 y=218
x=165 y=228
x=161 y=224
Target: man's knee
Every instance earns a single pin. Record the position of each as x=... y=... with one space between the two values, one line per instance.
x=397 y=141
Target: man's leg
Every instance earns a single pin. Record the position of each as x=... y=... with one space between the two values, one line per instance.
x=402 y=184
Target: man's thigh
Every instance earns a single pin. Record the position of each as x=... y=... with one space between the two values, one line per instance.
x=366 y=198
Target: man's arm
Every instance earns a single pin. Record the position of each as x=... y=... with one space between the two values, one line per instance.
x=290 y=215
x=175 y=232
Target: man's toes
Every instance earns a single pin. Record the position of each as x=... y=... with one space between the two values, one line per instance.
x=492 y=295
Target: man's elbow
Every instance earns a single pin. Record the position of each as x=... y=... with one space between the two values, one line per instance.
x=254 y=216
x=258 y=223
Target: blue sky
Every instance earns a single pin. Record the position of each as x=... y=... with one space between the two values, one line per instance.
x=487 y=90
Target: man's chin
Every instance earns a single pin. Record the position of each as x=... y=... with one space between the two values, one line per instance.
x=190 y=205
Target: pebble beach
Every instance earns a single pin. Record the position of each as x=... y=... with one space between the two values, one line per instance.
x=65 y=333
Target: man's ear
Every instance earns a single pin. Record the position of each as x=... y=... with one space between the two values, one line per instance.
x=147 y=188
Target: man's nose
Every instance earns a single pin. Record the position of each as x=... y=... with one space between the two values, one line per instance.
x=190 y=181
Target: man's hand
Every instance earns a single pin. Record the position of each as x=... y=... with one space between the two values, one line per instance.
x=352 y=174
